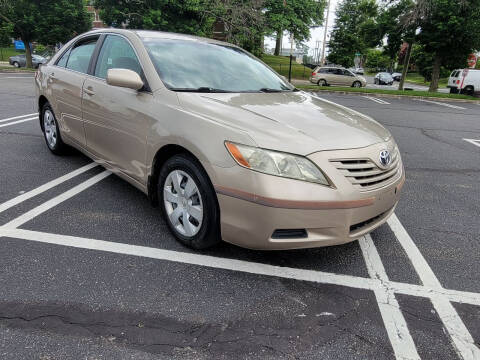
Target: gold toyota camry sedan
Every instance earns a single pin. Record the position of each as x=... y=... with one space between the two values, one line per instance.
x=220 y=142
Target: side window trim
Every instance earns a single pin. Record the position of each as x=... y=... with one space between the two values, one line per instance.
x=96 y=52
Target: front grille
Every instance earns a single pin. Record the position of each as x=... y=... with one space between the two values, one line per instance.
x=365 y=175
x=364 y=224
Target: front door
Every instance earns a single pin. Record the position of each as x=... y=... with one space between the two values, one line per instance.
x=115 y=118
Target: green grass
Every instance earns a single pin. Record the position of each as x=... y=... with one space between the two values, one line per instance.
x=388 y=92
x=281 y=64
x=416 y=78
x=6 y=52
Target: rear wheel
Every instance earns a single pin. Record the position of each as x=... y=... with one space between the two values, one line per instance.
x=51 y=131
x=16 y=64
x=322 y=82
x=468 y=90
x=453 y=91
x=188 y=202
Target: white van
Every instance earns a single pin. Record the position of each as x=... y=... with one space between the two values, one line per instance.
x=465 y=81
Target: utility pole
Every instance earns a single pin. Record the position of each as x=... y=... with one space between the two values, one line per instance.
x=325 y=33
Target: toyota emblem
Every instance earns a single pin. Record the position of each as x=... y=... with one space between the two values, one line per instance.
x=385 y=158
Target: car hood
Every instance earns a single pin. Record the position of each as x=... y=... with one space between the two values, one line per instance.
x=294 y=122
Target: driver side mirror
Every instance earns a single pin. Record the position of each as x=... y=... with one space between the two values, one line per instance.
x=124 y=78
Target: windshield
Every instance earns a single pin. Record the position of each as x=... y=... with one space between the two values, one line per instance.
x=190 y=65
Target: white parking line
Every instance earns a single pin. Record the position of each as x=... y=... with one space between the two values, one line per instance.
x=461 y=337
x=18 y=117
x=377 y=100
x=384 y=289
x=19 y=121
x=473 y=141
x=28 y=195
x=443 y=104
x=395 y=324
x=22 y=219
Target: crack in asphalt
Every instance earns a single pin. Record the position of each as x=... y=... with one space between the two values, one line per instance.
x=138 y=330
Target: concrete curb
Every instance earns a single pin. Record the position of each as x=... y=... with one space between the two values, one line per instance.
x=15 y=71
x=395 y=96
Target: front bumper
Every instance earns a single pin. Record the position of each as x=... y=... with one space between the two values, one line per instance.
x=254 y=205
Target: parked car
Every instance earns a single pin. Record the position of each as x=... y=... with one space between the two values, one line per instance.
x=21 y=60
x=397 y=76
x=465 y=81
x=383 y=78
x=224 y=146
x=359 y=71
x=326 y=76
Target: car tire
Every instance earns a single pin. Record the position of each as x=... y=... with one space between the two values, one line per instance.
x=468 y=90
x=202 y=229
x=357 y=84
x=16 y=64
x=453 y=91
x=322 y=82
x=375 y=81
x=51 y=131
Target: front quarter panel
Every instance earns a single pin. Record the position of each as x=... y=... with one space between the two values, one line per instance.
x=202 y=136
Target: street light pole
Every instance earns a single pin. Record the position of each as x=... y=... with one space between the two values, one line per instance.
x=325 y=33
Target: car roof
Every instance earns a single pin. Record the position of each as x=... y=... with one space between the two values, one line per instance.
x=144 y=34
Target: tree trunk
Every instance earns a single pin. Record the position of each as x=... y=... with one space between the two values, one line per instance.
x=28 y=52
x=435 y=74
x=278 y=43
x=406 y=64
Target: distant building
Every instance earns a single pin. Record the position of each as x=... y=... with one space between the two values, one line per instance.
x=96 y=21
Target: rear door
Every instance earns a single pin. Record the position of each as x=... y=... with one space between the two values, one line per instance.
x=115 y=118
x=452 y=80
x=65 y=80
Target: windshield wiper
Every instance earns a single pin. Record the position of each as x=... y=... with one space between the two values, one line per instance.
x=269 y=90
x=202 y=89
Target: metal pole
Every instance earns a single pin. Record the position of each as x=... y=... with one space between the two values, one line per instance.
x=325 y=33
x=291 y=55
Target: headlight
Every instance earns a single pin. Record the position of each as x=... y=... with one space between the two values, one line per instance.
x=276 y=163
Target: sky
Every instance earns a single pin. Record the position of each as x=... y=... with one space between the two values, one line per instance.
x=315 y=33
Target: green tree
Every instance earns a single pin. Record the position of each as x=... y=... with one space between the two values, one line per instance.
x=187 y=16
x=377 y=59
x=448 y=31
x=294 y=16
x=46 y=21
x=392 y=26
x=355 y=31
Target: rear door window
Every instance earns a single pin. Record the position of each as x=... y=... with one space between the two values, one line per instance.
x=62 y=62
x=80 y=56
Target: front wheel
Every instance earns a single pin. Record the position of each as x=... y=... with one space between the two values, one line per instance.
x=188 y=202
x=357 y=84
x=51 y=131
x=16 y=64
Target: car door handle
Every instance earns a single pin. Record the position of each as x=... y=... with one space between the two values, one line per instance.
x=89 y=91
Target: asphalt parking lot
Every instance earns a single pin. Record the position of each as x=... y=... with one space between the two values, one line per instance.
x=88 y=269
